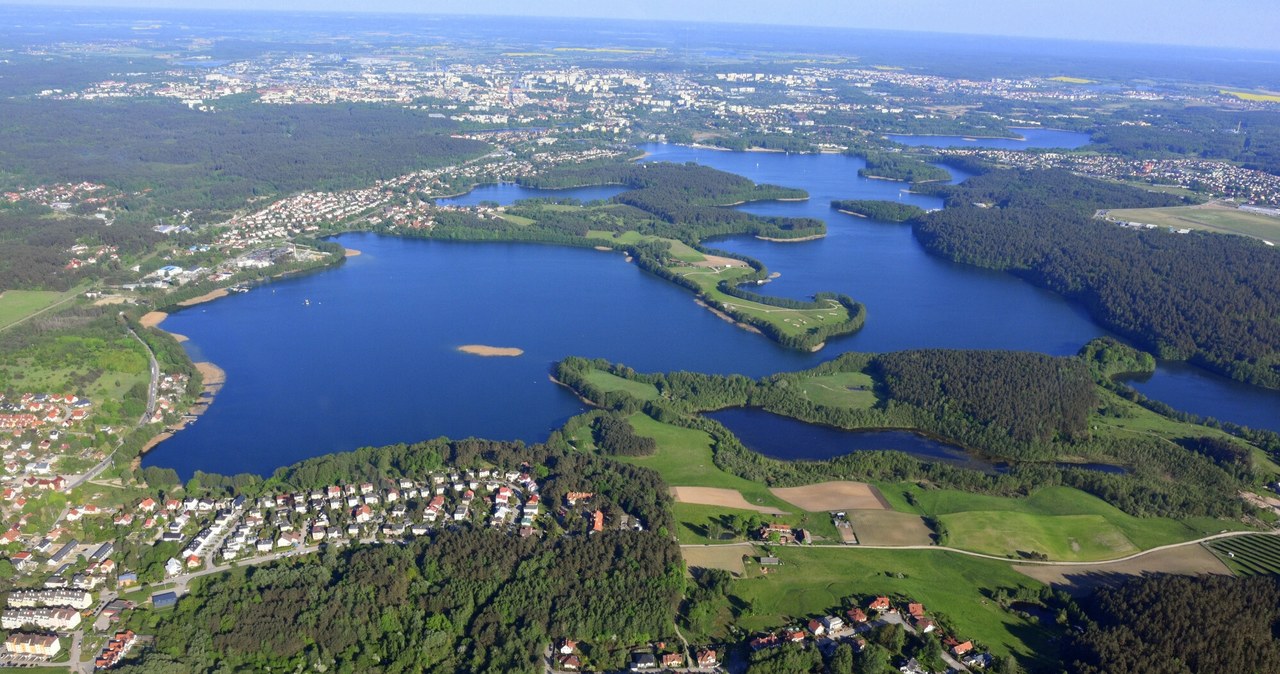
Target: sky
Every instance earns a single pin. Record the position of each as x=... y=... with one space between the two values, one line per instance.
x=1251 y=24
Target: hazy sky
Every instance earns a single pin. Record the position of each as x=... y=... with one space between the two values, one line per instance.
x=1222 y=23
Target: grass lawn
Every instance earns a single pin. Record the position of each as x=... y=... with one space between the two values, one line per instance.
x=16 y=305
x=844 y=389
x=1046 y=515
x=610 y=382
x=816 y=581
x=1210 y=217
x=790 y=321
x=517 y=219
x=683 y=458
x=679 y=249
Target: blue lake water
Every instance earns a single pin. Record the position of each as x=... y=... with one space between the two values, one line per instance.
x=786 y=438
x=372 y=359
x=1031 y=138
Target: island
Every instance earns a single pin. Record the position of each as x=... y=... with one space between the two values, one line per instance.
x=491 y=351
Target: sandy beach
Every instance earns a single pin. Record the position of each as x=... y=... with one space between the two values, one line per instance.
x=796 y=240
x=491 y=351
x=207 y=297
x=351 y=252
x=152 y=318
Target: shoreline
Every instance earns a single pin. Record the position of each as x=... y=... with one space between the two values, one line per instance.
x=726 y=317
x=801 y=239
x=351 y=252
x=207 y=297
x=856 y=215
x=212 y=379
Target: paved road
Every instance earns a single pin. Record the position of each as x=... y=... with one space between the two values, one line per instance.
x=942 y=548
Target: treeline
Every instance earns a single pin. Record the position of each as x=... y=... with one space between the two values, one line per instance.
x=195 y=160
x=457 y=601
x=1208 y=298
x=1181 y=625
x=775 y=142
x=878 y=209
x=897 y=166
x=1162 y=479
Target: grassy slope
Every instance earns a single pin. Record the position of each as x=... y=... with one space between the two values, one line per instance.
x=845 y=389
x=814 y=581
x=609 y=382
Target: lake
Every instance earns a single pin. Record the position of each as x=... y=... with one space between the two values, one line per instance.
x=372 y=358
x=1031 y=138
x=785 y=438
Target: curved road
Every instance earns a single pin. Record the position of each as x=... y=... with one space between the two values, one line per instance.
x=942 y=548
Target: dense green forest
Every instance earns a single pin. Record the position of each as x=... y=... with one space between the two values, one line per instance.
x=194 y=160
x=1182 y=625
x=1026 y=410
x=878 y=209
x=34 y=245
x=894 y=166
x=455 y=601
x=1208 y=298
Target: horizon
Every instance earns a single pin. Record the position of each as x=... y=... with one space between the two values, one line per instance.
x=934 y=17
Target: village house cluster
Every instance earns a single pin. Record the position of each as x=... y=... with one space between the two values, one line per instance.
x=827 y=632
x=567 y=657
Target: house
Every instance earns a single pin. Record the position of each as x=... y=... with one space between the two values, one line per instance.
x=672 y=660
x=567 y=646
x=960 y=649
x=925 y=625
x=916 y=610
x=570 y=663
x=880 y=604
x=597 y=521
x=164 y=599
x=643 y=661
x=766 y=641
x=856 y=616
x=707 y=658
x=127 y=579
x=44 y=645
x=833 y=623
x=913 y=666
x=172 y=567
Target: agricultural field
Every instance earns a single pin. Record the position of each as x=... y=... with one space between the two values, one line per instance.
x=1190 y=560
x=609 y=382
x=727 y=557
x=1249 y=555
x=887 y=527
x=1071 y=80
x=1250 y=96
x=844 y=389
x=816 y=581
x=1049 y=518
x=830 y=496
x=1211 y=217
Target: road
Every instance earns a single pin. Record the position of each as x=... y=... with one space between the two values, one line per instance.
x=152 y=394
x=1029 y=562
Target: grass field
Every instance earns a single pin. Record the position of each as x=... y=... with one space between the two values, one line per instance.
x=1070 y=80
x=843 y=389
x=17 y=305
x=1210 y=217
x=728 y=558
x=608 y=382
x=702 y=524
x=1074 y=538
x=831 y=496
x=679 y=249
x=1048 y=518
x=683 y=458
x=1190 y=560
x=1248 y=96
x=1249 y=555
x=816 y=581
x=790 y=321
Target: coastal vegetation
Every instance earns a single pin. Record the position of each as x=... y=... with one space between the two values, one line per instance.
x=896 y=166
x=1040 y=226
x=878 y=209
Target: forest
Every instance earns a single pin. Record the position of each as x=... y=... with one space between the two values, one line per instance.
x=878 y=209
x=1181 y=625
x=192 y=160
x=896 y=166
x=454 y=601
x=989 y=405
x=34 y=245
x=1208 y=298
